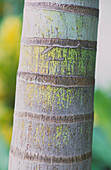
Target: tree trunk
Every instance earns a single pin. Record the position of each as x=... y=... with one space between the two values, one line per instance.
x=53 y=116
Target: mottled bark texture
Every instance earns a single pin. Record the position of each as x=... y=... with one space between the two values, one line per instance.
x=53 y=116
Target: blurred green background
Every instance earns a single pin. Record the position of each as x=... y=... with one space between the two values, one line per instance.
x=10 y=34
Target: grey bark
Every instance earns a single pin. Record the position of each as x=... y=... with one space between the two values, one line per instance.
x=53 y=116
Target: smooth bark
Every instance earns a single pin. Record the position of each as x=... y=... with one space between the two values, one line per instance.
x=53 y=116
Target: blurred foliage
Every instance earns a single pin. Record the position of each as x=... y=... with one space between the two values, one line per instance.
x=10 y=31
x=6 y=122
x=8 y=7
x=103 y=110
x=102 y=132
x=4 y=150
x=9 y=55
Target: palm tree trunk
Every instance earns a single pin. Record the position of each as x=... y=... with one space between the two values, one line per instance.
x=53 y=116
